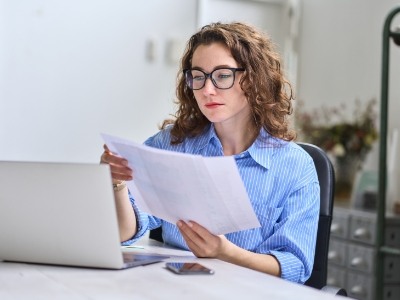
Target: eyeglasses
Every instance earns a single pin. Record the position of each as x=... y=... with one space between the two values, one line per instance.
x=222 y=78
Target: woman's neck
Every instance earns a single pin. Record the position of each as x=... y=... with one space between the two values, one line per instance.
x=235 y=139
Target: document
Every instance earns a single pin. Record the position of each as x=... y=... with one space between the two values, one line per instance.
x=178 y=186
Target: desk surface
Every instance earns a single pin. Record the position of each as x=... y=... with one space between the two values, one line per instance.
x=30 y=281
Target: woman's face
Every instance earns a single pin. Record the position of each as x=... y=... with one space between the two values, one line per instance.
x=223 y=106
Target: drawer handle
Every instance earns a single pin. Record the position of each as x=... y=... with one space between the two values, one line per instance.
x=332 y=281
x=357 y=290
x=335 y=228
x=357 y=262
x=361 y=233
x=333 y=256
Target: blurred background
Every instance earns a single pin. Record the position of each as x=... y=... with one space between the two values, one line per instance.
x=70 y=70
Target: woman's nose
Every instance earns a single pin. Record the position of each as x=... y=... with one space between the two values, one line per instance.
x=209 y=87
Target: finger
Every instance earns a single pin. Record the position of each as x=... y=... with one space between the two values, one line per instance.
x=200 y=230
x=121 y=177
x=108 y=157
x=116 y=160
x=104 y=154
x=121 y=173
x=118 y=165
x=119 y=168
x=192 y=245
x=108 y=151
x=193 y=240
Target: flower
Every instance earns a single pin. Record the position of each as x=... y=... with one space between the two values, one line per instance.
x=338 y=150
x=333 y=130
x=346 y=141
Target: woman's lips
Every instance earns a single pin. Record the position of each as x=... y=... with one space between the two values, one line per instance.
x=213 y=105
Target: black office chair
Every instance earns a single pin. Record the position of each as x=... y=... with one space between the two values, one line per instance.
x=326 y=177
x=156 y=234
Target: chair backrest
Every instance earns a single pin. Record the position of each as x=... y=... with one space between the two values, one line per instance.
x=326 y=179
x=156 y=234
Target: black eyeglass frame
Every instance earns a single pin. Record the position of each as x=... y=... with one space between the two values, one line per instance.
x=209 y=75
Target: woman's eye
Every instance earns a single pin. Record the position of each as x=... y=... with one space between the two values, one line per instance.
x=198 y=78
x=224 y=76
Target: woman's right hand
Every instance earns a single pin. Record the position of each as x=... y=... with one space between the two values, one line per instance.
x=120 y=170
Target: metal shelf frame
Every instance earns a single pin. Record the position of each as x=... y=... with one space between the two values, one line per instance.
x=382 y=249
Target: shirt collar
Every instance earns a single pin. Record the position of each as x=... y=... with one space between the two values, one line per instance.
x=261 y=151
x=265 y=147
x=209 y=137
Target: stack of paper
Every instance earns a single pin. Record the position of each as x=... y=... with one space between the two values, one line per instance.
x=177 y=186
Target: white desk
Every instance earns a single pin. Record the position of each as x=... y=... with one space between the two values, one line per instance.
x=29 y=281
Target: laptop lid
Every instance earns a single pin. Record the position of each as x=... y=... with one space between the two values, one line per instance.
x=60 y=213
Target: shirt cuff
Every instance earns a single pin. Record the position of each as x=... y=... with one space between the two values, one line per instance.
x=292 y=268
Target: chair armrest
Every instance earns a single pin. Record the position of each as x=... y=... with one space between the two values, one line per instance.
x=334 y=290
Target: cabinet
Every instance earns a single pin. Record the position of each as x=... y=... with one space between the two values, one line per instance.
x=352 y=252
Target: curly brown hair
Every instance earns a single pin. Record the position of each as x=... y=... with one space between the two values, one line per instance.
x=268 y=92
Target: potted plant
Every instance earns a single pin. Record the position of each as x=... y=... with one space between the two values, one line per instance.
x=347 y=139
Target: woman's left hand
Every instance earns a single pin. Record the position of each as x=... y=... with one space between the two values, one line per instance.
x=205 y=244
x=202 y=242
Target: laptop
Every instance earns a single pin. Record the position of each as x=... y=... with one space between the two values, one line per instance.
x=62 y=214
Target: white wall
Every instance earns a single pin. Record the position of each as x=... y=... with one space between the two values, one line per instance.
x=73 y=69
x=340 y=55
x=70 y=70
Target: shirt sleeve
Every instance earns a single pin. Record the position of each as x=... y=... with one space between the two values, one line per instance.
x=144 y=222
x=294 y=238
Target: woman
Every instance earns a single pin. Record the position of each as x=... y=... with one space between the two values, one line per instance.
x=234 y=100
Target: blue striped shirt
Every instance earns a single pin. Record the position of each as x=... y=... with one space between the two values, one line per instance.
x=282 y=184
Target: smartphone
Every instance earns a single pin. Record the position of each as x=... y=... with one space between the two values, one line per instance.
x=188 y=268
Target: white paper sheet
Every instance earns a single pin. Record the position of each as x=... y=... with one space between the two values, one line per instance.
x=177 y=186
